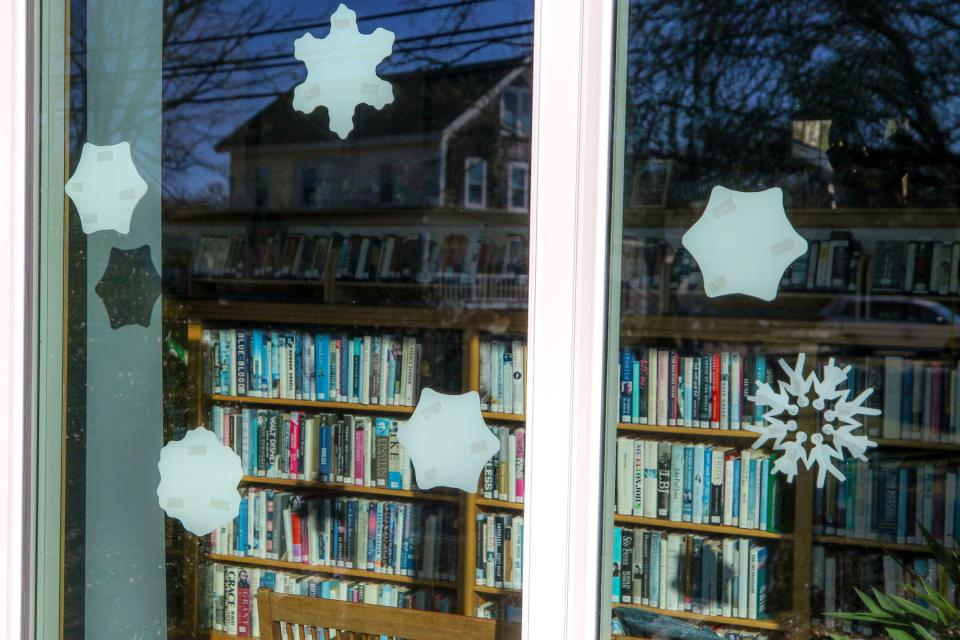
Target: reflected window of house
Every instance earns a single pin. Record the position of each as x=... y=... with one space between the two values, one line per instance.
x=519 y=184
x=475 y=189
x=515 y=105
x=258 y=186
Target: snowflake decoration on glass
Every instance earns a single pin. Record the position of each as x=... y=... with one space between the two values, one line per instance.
x=839 y=415
x=198 y=481
x=743 y=243
x=447 y=440
x=106 y=187
x=342 y=70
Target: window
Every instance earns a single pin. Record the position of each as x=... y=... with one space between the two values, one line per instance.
x=519 y=186
x=475 y=183
x=515 y=107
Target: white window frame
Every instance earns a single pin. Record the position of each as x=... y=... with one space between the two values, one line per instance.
x=525 y=166
x=16 y=121
x=569 y=203
x=468 y=163
x=572 y=86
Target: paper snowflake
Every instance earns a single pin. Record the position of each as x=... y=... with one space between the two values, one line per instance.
x=198 y=481
x=447 y=440
x=106 y=187
x=342 y=70
x=743 y=243
x=832 y=400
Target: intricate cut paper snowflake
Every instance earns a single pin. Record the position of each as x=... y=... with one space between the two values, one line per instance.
x=790 y=397
x=743 y=243
x=447 y=440
x=342 y=70
x=198 y=481
x=106 y=187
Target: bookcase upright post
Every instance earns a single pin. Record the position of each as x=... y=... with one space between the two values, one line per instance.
x=802 y=555
x=468 y=501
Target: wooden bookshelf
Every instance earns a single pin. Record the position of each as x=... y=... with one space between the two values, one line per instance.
x=768 y=625
x=469 y=324
x=663 y=523
x=880 y=545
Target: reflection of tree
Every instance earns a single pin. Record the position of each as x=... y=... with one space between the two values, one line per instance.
x=715 y=86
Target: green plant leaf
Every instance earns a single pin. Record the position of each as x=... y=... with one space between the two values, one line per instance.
x=886 y=602
x=872 y=606
x=949 y=560
x=923 y=633
x=897 y=634
x=915 y=609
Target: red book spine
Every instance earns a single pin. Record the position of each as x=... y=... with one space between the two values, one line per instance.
x=521 y=447
x=715 y=391
x=243 y=604
x=359 y=455
x=297 y=544
x=294 y=445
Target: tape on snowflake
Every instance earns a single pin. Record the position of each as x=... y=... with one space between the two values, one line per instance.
x=447 y=440
x=787 y=400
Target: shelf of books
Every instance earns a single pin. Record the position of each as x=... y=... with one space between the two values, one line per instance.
x=703 y=531
x=310 y=397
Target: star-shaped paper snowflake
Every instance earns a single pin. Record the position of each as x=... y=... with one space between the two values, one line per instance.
x=198 y=481
x=342 y=70
x=447 y=440
x=129 y=287
x=743 y=243
x=106 y=187
x=790 y=397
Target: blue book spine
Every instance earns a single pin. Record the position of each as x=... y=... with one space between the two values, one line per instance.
x=242 y=373
x=325 y=588
x=617 y=560
x=698 y=468
x=707 y=484
x=225 y=370
x=394 y=561
x=241 y=528
x=299 y=378
x=357 y=368
x=268 y=580
x=250 y=455
x=752 y=495
x=687 y=484
x=764 y=488
x=371 y=538
x=392 y=380
x=736 y=489
x=687 y=399
x=759 y=375
x=256 y=361
x=405 y=540
x=322 y=357
x=351 y=531
x=265 y=374
x=344 y=368
x=274 y=364
x=635 y=392
x=626 y=385
x=654 y=591
x=324 y=466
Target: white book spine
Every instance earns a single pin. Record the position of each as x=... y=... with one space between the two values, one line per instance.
x=649 y=480
x=652 y=368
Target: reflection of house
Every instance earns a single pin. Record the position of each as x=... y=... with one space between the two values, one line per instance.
x=456 y=137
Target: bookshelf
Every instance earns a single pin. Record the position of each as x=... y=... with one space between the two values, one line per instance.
x=471 y=326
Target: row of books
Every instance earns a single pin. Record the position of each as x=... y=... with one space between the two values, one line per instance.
x=503 y=474
x=837 y=263
x=394 y=538
x=920 y=399
x=924 y=267
x=507 y=609
x=499 y=551
x=697 y=483
x=325 y=447
x=230 y=603
x=418 y=257
x=502 y=375
x=687 y=572
x=888 y=500
x=296 y=365
x=707 y=390
x=838 y=574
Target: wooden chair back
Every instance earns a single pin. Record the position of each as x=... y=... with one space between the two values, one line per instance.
x=337 y=620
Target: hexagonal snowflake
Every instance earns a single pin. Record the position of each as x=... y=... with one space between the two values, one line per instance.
x=790 y=397
x=198 y=481
x=743 y=243
x=106 y=187
x=447 y=440
x=342 y=70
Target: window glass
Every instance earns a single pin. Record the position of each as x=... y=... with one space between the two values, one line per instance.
x=782 y=419
x=294 y=360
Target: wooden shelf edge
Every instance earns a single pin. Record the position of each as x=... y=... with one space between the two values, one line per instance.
x=880 y=545
x=331 y=571
x=503 y=417
x=499 y=504
x=312 y=404
x=701 y=528
x=497 y=591
x=351 y=488
x=770 y=625
x=690 y=432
